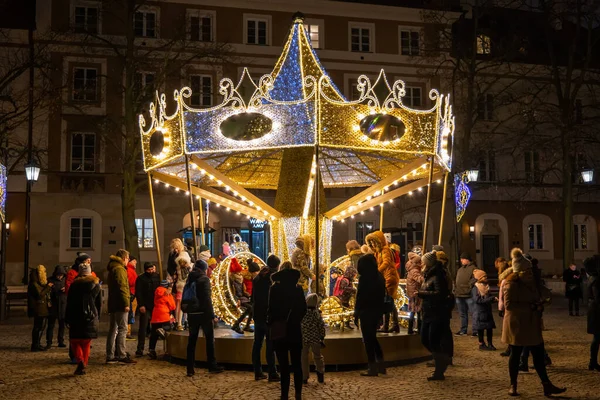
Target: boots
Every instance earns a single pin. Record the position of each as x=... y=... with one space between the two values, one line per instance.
x=386 y=324
x=395 y=322
x=513 y=390
x=371 y=371
x=441 y=364
x=236 y=328
x=320 y=377
x=411 y=324
x=550 y=389
x=593 y=366
x=80 y=369
x=381 y=367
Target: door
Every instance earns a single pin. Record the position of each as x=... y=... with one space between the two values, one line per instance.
x=491 y=251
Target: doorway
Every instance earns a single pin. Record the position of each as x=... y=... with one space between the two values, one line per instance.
x=491 y=250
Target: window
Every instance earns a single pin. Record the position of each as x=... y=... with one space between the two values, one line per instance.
x=313 y=32
x=256 y=31
x=354 y=93
x=485 y=107
x=532 y=166
x=83 y=152
x=360 y=39
x=484 y=44
x=143 y=83
x=413 y=97
x=201 y=90
x=409 y=43
x=85 y=84
x=86 y=19
x=487 y=167
x=81 y=233
x=578 y=111
x=201 y=25
x=414 y=234
x=145 y=230
x=362 y=230
x=536 y=236
x=580 y=236
x=144 y=24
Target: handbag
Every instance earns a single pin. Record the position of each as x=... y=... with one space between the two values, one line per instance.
x=278 y=329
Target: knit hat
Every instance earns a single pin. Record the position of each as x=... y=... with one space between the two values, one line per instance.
x=234 y=266
x=519 y=262
x=212 y=261
x=201 y=265
x=429 y=259
x=84 y=269
x=437 y=247
x=273 y=262
x=164 y=283
x=479 y=274
x=466 y=256
x=312 y=300
x=204 y=248
x=252 y=266
x=81 y=257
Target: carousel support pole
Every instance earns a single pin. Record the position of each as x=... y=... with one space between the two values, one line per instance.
x=429 y=187
x=381 y=217
x=317 y=216
x=155 y=227
x=201 y=215
x=443 y=208
x=192 y=214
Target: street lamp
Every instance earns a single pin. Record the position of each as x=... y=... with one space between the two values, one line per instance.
x=473 y=174
x=32 y=172
x=587 y=175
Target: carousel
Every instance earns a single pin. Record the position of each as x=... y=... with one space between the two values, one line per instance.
x=294 y=132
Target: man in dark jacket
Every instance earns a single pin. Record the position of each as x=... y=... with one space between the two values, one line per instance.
x=118 y=308
x=368 y=310
x=260 y=303
x=201 y=317
x=145 y=285
x=462 y=291
x=58 y=306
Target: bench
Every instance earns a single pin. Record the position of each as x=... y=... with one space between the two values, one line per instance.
x=16 y=296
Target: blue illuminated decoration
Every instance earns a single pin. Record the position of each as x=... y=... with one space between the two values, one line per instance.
x=462 y=194
x=288 y=83
x=3 y=179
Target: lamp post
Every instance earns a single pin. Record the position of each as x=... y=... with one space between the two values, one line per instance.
x=32 y=173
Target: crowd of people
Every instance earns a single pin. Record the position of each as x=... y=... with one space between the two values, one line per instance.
x=280 y=302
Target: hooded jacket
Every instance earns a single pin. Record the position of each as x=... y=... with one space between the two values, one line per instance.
x=164 y=303
x=58 y=294
x=522 y=323
x=301 y=260
x=414 y=276
x=131 y=277
x=371 y=291
x=260 y=294
x=287 y=303
x=385 y=262
x=83 y=307
x=145 y=286
x=118 y=285
x=435 y=294
x=203 y=293
x=38 y=292
x=344 y=287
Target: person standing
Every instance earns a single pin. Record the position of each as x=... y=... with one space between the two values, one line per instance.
x=572 y=280
x=176 y=249
x=522 y=324
x=260 y=303
x=354 y=252
x=145 y=286
x=483 y=318
x=313 y=335
x=131 y=278
x=436 y=313
x=462 y=291
x=118 y=308
x=368 y=310
x=592 y=266
x=82 y=315
x=164 y=304
x=414 y=280
x=74 y=270
x=201 y=315
x=301 y=260
x=38 y=300
x=57 y=309
x=287 y=308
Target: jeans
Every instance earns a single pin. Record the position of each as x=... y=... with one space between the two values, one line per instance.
x=154 y=334
x=368 y=328
x=261 y=332
x=315 y=348
x=574 y=301
x=39 y=324
x=464 y=305
x=81 y=349
x=197 y=321
x=50 y=331
x=294 y=350
x=143 y=329
x=539 y=362
x=594 y=349
x=115 y=341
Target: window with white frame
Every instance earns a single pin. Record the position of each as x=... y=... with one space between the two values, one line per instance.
x=536 y=236
x=580 y=236
x=361 y=38
x=86 y=18
x=362 y=230
x=201 y=25
x=201 y=90
x=409 y=43
x=145 y=23
x=257 y=31
x=145 y=230
x=143 y=83
x=532 y=166
x=487 y=167
x=413 y=97
x=81 y=233
x=85 y=84
x=484 y=44
x=314 y=33
x=83 y=152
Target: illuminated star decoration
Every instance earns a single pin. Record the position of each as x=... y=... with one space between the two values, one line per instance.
x=462 y=194
x=3 y=178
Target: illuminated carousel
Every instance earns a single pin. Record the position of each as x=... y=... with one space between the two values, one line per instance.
x=294 y=132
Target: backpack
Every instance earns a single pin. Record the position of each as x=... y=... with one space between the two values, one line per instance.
x=189 y=301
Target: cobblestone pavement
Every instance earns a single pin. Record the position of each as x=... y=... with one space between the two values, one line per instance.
x=476 y=375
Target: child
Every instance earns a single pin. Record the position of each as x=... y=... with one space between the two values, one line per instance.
x=483 y=319
x=161 y=315
x=334 y=276
x=414 y=280
x=345 y=290
x=313 y=334
x=212 y=264
x=184 y=265
x=241 y=296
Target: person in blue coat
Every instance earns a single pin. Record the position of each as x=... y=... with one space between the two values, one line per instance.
x=483 y=317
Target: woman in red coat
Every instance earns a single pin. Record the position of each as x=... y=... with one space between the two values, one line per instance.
x=164 y=304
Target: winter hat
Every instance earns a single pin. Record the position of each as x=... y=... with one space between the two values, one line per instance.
x=164 y=283
x=312 y=300
x=429 y=259
x=479 y=274
x=519 y=262
x=334 y=270
x=437 y=247
x=411 y=255
x=212 y=261
x=234 y=266
x=201 y=265
x=84 y=269
x=204 y=248
x=148 y=265
x=273 y=262
x=81 y=257
x=226 y=248
x=252 y=266
x=465 y=256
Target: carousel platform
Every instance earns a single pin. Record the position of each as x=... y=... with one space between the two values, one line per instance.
x=342 y=348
